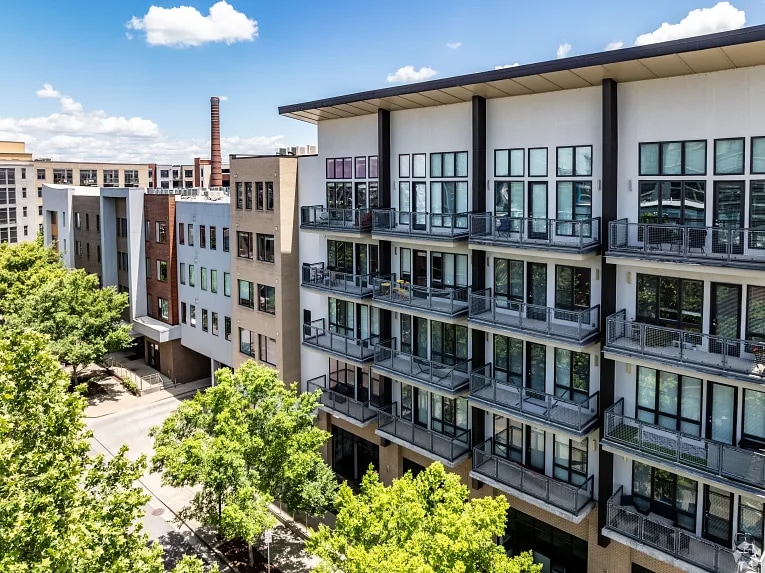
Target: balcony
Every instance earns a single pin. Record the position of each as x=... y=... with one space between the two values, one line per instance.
x=572 y=326
x=448 y=302
x=661 y=538
x=358 y=413
x=317 y=336
x=742 y=359
x=720 y=462
x=565 y=500
x=319 y=218
x=433 y=226
x=445 y=378
x=741 y=248
x=579 y=237
x=434 y=445
x=532 y=406
x=315 y=276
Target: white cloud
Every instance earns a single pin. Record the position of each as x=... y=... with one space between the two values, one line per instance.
x=223 y=98
x=563 y=50
x=453 y=45
x=409 y=74
x=185 y=26
x=614 y=45
x=74 y=134
x=47 y=91
x=507 y=66
x=723 y=16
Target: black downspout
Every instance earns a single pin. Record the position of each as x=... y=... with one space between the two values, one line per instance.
x=608 y=289
x=385 y=254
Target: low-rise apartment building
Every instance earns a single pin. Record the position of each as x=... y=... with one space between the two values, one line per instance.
x=19 y=220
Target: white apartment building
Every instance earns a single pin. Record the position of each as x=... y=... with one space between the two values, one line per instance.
x=19 y=217
x=204 y=275
x=549 y=278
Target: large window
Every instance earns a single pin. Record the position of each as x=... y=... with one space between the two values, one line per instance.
x=340 y=168
x=671 y=302
x=244 y=240
x=342 y=317
x=678 y=202
x=163 y=307
x=448 y=197
x=448 y=415
x=509 y=162
x=247 y=342
x=340 y=256
x=508 y=199
x=755 y=313
x=448 y=270
x=757 y=214
x=162 y=271
x=265 y=248
x=508 y=360
x=508 y=281
x=673 y=158
x=267 y=299
x=729 y=156
x=758 y=155
x=667 y=494
x=575 y=161
x=572 y=289
x=267 y=349
x=448 y=343
x=342 y=378
x=570 y=461
x=508 y=439
x=572 y=375
x=246 y=294
x=538 y=162
x=750 y=518
x=574 y=203
x=754 y=415
x=161 y=232
x=453 y=164
x=669 y=400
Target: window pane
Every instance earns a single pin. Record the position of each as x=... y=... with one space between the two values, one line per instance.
x=757 y=213
x=649 y=202
x=435 y=165
x=694 y=203
x=461 y=168
x=403 y=165
x=502 y=197
x=646 y=397
x=448 y=164
x=758 y=155
x=690 y=407
x=565 y=203
x=418 y=165
x=501 y=163
x=584 y=161
x=755 y=313
x=516 y=162
x=649 y=159
x=754 y=414
x=668 y=390
x=538 y=162
x=565 y=161
x=695 y=157
x=729 y=156
x=672 y=158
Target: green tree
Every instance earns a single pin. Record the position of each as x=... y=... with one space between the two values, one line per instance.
x=63 y=510
x=425 y=524
x=21 y=273
x=81 y=320
x=242 y=443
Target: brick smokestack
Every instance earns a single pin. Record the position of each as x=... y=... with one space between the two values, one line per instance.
x=216 y=174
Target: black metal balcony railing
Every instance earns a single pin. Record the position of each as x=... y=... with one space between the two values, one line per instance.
x=572 y=416
x=335 y=219
x=349 y=284
x=715 y=245
x=570 y=498
x=714 y=458
x=446 y=226
x=570 y=325
x=714 y=354
x=580 y=236
x=441 y=301
x=317 y=335
x=655 y=532
x=444 y=446
x=340 y=403
x=445 y=377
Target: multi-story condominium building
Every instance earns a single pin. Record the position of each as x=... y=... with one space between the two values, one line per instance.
x=265 y=262
x=549 y=278
x=203 y=239
x=18 y=210
x=185 y=176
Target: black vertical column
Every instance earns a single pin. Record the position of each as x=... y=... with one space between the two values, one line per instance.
x=385 y=247
x=477 y=257
x=608 y=288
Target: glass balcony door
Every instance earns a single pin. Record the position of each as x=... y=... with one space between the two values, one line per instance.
x=728 y=217
x=721 y=413
x=536 y=290
x=726 y=317
x=538 y=210
x=718 y=516
x=420 y=203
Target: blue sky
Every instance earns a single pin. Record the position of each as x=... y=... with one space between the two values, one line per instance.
x=302 y=50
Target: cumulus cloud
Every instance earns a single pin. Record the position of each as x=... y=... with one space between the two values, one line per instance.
x=719 y=18
x=507 y=66
x=453 y=45
x=409 y=74
x=614 y=45
x=184 y=26
x=75 y=134
x=563 y=50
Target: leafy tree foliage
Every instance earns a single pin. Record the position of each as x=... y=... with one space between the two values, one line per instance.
x=425 y=524
x=81 y=319
x=62 y=509
x=244 y=442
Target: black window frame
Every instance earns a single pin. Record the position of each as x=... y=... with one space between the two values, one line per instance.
x=685 y=185
x=248 y=195
x=574 y=149
x=239 y=191
x=439 y=157
x=661 y=508
x=511 y=293
x=750 y=333
x=507 y=359
x=248 y=302
x=573 y=301
x=547 y=162
x=579 y=368
x=213 y=242
x=751 y=154
x=266 y=255
x=340 y=256
x=657 y=319
x=448 y=424
x=260 y=201
x=450 y=350
x=742 y=171
x=266 y=299
x=658 y=414
x=573 y=475
x=263 y=354
x=509 y=152
x=269 y=195
x=683 y=168
x=249 y=348
x=245 y=250
x=226 y=239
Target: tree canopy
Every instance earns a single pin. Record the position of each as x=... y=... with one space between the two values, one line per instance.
x=425 y=524
x=243 y=442
x=80 y=319
x=63 y=510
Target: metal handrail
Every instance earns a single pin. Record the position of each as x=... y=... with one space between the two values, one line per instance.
x=318 y=335
x=540 y=405
x=501 y=311
x=414 y=367
x=338 y=218
x=339 y=402
x=730 y=355
x=669 y=539
x=419 y=222
x=716 y=458
x=317 y=276
x=388 y=290
x=576 y=234
x=687 y=241
x=569 y=497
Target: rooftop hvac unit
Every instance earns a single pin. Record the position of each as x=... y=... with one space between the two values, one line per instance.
x=293 y=150
x=281 y=151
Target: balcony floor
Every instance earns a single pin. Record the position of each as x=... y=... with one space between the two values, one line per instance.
x=339 y=347
x=431 y=444
x=420 y=371
x=560 y=330
x=437 y=233
x=347 y=288
x=428 y=304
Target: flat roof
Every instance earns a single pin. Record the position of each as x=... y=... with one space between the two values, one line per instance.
x=701 y=54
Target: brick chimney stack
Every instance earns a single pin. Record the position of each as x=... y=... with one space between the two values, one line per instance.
x=216 y=174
